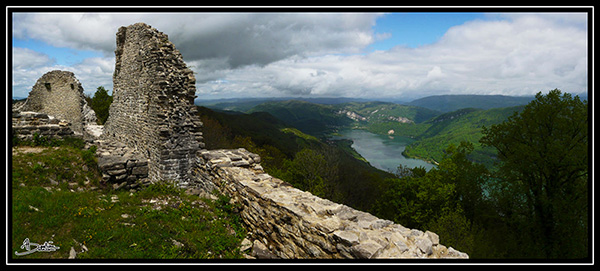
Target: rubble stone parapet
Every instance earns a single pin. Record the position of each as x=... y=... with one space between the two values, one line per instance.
x=294 y=224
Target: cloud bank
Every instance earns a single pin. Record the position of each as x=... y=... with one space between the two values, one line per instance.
x=521 y=56
x=299 y=54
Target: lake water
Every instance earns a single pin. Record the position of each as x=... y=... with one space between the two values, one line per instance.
x=382 y=151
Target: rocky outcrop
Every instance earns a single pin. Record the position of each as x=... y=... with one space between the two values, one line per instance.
x=400 y=119
x=352 y=115
x=285 y=222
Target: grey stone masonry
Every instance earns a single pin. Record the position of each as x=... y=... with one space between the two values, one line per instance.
x=60 y=94
x=121 y=167
x=26 y=125
x=153 y=108
x=287 y=223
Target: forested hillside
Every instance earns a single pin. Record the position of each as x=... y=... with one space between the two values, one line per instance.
x=300 y=159
x=454 y=127
x=532 y=204
x=377 y=112
x=310 y=118
x=448 y=103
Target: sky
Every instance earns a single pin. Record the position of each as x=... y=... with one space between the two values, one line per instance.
x=370 y=55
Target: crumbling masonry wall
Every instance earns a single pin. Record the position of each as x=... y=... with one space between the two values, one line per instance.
x=287 y=223
x=59 y=94
x=153 y=108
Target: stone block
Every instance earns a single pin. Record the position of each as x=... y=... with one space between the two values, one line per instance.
x=347 y=238
x=117 y=172
x=365 y=249
x=141 y=170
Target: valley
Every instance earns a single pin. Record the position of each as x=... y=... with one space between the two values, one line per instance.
x=381 y=151
x=430 y=130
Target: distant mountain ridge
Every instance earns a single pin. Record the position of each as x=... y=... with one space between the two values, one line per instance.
x=311 y=118
x=245 y=104
x=442 y=103
x=448 y=103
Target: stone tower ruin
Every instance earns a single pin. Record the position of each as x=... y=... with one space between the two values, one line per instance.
x=59 y=94
x=153 y=108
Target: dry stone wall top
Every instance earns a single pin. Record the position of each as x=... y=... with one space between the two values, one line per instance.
x=26 y=125
x=288 y=223
x=153 y=108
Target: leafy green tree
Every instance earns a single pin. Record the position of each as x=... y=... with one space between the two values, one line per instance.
x=543 y=173
x=308 y=172
x=100 y=103
x=448 y=200
x=469 y=178
x=416 y=197
x=413 y=201
x=454 y=229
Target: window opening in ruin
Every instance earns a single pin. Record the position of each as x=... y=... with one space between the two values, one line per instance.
x=48 y=87
x=72 y=86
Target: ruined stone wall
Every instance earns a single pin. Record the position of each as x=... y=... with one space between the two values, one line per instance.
x=27 y=124
x=60 y=94
x=153 y=108
x=285 y=222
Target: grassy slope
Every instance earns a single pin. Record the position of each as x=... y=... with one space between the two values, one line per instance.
x=55 y=199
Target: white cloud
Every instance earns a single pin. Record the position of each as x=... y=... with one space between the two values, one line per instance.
x=75 y=30
x=95 y=72
x=277 y=54
x=24 y=58
x=521 y=55
x=237 y=39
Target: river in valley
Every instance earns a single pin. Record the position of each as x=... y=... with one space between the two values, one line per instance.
x=382 y=151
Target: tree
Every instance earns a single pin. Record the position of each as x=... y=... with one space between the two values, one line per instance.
x=414 y=201
x=543 y=155
x=419 y=198
x=100 y=103
x=468 y=177
x=308 y=171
